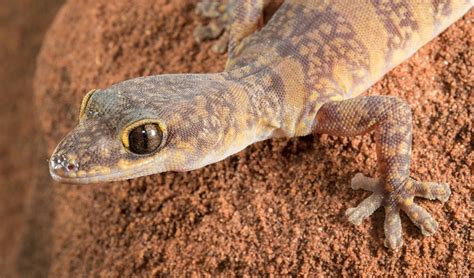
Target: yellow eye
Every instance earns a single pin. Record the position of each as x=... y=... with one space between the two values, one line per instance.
x=84 y=102
x=143 y=137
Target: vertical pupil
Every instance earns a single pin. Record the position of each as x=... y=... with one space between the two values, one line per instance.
x=145 y=138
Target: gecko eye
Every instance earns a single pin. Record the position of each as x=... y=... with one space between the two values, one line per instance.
x=145 y=139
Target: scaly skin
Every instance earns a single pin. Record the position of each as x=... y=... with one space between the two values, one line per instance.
x=300 y=74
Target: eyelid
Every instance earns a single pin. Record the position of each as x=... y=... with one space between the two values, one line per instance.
x=126 y=131
x=84 y=103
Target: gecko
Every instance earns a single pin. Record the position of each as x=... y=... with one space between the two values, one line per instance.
x=304 y=72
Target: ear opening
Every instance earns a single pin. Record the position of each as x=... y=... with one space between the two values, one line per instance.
x=84 y=103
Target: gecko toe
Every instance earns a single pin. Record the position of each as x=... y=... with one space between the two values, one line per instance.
x=218 y=13
x=364 y=209
x=392 y=227
x=359 y=181
x=420 y=217
x=370 y=204
x=432 y=190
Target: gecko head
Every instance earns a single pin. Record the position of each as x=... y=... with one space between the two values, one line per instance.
x=140 y=127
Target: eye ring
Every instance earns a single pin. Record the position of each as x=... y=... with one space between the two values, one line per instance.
x=143 y=137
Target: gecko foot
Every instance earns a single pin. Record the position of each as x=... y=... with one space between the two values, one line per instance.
x=402 y=198
x=219 y=15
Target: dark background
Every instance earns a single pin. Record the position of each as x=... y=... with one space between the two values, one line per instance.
x=24 y=238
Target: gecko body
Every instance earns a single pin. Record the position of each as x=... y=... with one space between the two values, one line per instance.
x=302 y=73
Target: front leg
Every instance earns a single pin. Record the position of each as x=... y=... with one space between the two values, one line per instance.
x=247 y=16
x=394 y=189
x=231 y=20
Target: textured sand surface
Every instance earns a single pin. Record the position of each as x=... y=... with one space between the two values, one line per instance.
x=276 y=207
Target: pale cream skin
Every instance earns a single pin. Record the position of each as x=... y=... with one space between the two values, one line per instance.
x=300 y=74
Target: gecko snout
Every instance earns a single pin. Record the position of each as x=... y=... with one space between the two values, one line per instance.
x=61 y=166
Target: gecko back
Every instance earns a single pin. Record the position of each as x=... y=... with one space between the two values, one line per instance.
x=296 y=76
x=345 y=46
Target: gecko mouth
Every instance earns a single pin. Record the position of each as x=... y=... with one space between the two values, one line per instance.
x=66 y=170
x=98 y=178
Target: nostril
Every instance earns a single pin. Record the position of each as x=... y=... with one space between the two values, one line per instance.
x=72 y=166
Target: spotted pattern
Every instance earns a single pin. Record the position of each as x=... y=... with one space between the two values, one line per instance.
x=391 y=120
x=297 y=75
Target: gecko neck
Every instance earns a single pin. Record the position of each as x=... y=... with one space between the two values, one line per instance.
x=278 y=95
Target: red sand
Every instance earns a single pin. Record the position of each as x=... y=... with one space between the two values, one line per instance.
x=276 y=207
